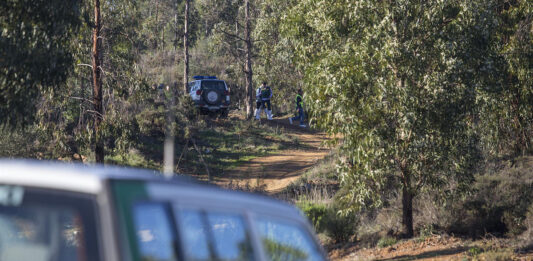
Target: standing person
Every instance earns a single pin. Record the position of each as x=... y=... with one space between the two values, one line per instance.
x=266 y=94
x=299 y=108
x=258 y=103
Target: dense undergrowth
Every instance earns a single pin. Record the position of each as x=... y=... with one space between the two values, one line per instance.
x=498 y=205
x=203 y=142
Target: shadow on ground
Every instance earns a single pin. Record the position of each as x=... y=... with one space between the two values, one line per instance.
x=430 y=254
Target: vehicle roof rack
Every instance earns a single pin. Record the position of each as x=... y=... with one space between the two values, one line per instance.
x=201 y=77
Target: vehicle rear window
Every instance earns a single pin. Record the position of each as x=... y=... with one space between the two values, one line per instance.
x=287 y=241
x=37 y=224
x=155 y=233
x=217 y=85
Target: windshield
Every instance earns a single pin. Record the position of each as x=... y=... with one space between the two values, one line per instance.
x=43 y=225
x=217 y=85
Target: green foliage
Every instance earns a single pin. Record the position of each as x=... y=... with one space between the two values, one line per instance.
x=425 y=232
x=315 y=213
x=506 y=97
x=527 y=236
x=279 y=252
x=474 y=251
x=34 y=53
x=341 y=227
x=386 y=241
x=327 y=218
x=499 y=202
x=276 y=55
x=19 y=143
x=390 y=78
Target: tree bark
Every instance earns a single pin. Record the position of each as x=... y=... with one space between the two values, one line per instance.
x=97 y=84
x=156 y=38
x=248 y=69
x=186 y=48
x=407 y=212
x=176 y=25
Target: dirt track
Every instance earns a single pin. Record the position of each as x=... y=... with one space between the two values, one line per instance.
x=274 y=172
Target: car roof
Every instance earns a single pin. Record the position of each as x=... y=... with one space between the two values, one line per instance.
x=66 y=176
x=90 y=179
x=208 y=80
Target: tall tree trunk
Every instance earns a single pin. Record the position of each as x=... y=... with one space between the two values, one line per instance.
x=176 y=25
x=156 y=38
x=186 y=48
x=407 y=208
x=97 y=84
x=248 y=69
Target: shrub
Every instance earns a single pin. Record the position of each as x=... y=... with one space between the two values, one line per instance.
x=340 y=227
x=474 y=251
x=498 y=204
x=328 y=219
x=425 y=232
x=387 y=241
x=527 y=236
x=316 y=213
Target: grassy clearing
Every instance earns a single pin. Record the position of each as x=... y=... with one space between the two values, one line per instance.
x=223 y=144
x=227 y=144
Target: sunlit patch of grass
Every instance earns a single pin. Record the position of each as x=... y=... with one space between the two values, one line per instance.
x=387 y=241
x=133 y=158
x=231 y=143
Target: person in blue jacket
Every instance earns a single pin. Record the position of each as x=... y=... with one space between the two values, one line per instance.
x=299 y=108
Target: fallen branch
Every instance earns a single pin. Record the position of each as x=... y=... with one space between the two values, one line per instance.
x=182 y=152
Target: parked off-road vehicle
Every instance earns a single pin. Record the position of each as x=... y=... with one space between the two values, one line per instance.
x=210 y=94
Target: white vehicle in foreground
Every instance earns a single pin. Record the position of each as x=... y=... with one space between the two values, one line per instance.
x=59 y=212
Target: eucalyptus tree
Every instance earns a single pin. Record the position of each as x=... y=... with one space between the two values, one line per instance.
x=275 y=53
x=233 y=23
x=34 y=53
x=506 y=101
x=186 y=47
x=389 y=76
x=97 y=83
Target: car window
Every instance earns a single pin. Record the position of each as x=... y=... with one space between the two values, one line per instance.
x=214 y=236
x=46 y=225
x=193 y=234
x=286 y=241
x=153 y=227
x=230 y=236
x=217 y=85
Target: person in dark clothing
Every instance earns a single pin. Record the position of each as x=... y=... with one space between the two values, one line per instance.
x=266 y=95
x=299 y=108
